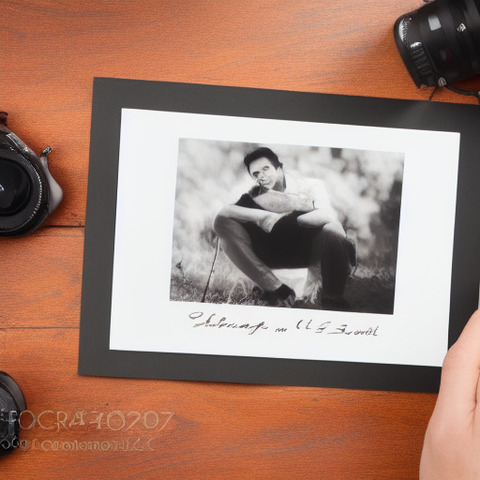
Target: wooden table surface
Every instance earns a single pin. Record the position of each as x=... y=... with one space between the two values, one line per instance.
x=104 y=428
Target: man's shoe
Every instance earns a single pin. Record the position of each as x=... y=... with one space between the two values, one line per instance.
x=283 y=296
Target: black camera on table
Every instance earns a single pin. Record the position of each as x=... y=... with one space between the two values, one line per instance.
x=440 y=42
x=12 y=403
x=28 y=191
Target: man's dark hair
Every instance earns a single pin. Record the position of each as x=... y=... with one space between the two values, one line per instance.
x=262 y=152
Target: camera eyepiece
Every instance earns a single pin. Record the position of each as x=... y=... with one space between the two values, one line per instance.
x=12 y=403
x=28 y=192
x=440 y=42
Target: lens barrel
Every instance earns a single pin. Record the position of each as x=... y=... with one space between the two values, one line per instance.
x=12 y=404
x=28 y=192
x=440 y=42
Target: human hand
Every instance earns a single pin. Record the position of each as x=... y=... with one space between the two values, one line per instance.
x=451 y=448
x=268 y=221
x=301 y=202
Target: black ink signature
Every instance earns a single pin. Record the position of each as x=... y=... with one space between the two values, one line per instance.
x=330 y=329
x=213 y=321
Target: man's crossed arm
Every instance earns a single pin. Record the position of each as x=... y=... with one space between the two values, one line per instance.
x=316 y=213
x=276 y=204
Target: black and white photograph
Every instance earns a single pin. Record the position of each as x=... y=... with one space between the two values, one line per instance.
x=283 y=225
x=282 y=239
x=273 y=237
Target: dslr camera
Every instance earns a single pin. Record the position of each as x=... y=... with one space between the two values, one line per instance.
x=28 y=191
x=12 y=403
x=440 y=42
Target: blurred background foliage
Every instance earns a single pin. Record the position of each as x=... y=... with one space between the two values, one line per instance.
x=364 y=186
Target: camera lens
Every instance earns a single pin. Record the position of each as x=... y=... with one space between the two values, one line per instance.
x=12 y=403
x=440 y=42
x=15 y=187
x=23 y=195
x=28 y=192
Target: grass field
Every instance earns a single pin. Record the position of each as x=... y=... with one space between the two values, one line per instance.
x=367 y=291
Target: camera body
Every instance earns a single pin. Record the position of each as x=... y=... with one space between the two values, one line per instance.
x=440 y=42
x=12 y=403
x=28 y=192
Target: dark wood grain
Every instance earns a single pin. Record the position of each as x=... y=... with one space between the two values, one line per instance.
x=81 y=427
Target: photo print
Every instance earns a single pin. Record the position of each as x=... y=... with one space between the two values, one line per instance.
x=261 y=236
x=189 y=289
x=362 y=192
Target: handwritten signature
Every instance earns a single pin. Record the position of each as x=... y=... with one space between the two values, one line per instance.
x=219 y=322
x=213 y=321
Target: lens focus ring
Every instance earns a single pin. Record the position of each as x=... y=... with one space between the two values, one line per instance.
x=422 y=63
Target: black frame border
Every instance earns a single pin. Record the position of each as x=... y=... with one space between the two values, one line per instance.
x=111 y=95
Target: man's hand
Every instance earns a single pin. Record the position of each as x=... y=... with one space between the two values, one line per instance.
x=269 y=220
x=452 y=442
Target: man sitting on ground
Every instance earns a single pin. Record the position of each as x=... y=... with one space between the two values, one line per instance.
x=286 y=221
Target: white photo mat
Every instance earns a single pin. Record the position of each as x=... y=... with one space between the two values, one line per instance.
x=144 y=319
